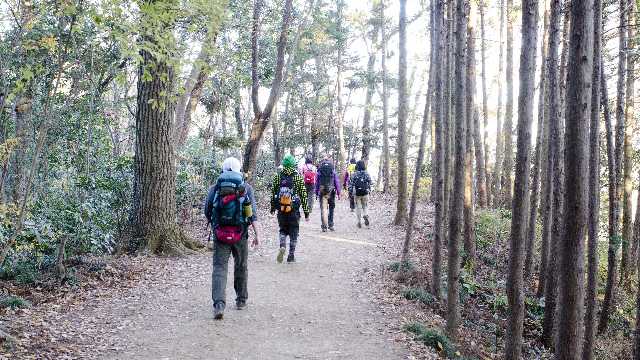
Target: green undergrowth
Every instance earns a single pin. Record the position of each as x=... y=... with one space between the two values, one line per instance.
x=418 y=294
x=433 y=339
x=397 y=266
x=14 y=302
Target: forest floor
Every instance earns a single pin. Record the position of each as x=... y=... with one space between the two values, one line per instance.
x=331 y=304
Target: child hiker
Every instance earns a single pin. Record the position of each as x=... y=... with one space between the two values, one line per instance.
x=288 y=194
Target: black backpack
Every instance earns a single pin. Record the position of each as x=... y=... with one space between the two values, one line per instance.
x=325 y=175
x=360 y=183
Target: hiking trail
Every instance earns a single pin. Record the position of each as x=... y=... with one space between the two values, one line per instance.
x=320 y=307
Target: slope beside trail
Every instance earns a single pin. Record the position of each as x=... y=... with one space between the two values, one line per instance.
x=316 y=308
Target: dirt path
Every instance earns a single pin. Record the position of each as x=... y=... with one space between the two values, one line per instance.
x=317 y=308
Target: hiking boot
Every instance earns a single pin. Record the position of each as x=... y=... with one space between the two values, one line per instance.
x=353 y=210
x=366 y=220
x=324 y=228
x=280 y=256
x=332 y=228
x=359 y=225
x=218 y=311
x=241 y=304
x=291 y=258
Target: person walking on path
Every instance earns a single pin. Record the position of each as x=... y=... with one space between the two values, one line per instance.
x=309 y=172
x=327 y=188
x=351 y=169
x=360 y=186
x=230 y=208
x=288 y=195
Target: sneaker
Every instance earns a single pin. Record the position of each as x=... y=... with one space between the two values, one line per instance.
x=353 y=210
x=332 y=228
x=218 y=311
x=280 y=255
x=359 y=225
x=241 y=304
x=366 y=220
x=324 y=228
x=291 y=258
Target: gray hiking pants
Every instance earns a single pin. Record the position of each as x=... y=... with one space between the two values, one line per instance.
x=327 y=206
x=361 y=206
x=221 y=252
x=311 y=195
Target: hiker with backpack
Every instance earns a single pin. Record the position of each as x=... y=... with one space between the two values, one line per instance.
x=327 y=188
x=351 y=168
x=309 y=173
x=360 y=187
x=230 y=209
x=288 y=196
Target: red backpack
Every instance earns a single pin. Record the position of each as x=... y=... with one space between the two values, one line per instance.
x=309 y=176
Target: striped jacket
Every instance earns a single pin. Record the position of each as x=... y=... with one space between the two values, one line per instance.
x=298 y=189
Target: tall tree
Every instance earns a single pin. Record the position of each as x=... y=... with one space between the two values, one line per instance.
x=556 y=171
x=507 y=168
x=594 y=187
x=401 y=147
x=578 y=111
x=537 y=162
x=385 y=103
x=339 y=116
x=627 y=161
x=515 y=289
x=485 y=109
x=439 y=169
x=261 y=116
x=472 y=121
x=497 y=173
x=371 y=87
x=614 y=205
x=457 y=203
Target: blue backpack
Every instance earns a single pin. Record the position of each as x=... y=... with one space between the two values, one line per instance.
x=228 y=201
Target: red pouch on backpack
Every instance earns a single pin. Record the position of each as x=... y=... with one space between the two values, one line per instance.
x=229 y=235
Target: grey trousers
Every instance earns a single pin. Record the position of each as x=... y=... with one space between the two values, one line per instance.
x=311 y=195
x=361 y=206
x=221 y=252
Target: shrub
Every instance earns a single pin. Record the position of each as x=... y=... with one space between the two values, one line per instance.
x=433 y=339
x=492 y=225
x=14 y=302
x=396 y=266
x=418 y=294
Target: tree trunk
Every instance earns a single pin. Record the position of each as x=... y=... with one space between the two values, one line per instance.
x=401 y=147
x=371 y=84
x=537 y=162
x=261 y=117
x=578 y=111
x=556 y=172
x=614 y=202
x=153 y=218
x=507 y=169
x=385 y=105
x=474 y=122
x=339 y=115
x=448 y=111
x=497 y=173
x=627 y=203
x=594 y=187
x=439 y=169
x=485 y=111
x=457 y=203
x=470 y=114
x=520 y=208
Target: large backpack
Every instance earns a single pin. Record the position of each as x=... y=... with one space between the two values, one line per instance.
x=287 y=200
x=229 y=199
x=360 y=184
x=325 y=176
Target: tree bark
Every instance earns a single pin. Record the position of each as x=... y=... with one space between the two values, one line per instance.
x=614 y=205
x=261 y=117
x=578 y=111
x=520 y=208
x=485 y=111
x=554 y=162
x=371 y=84
x=507 y=169
x=401 y=147
x=537 y=162
x=627 y=203
x=457 y=203
x=471 y=119
x=497 y=173
x=385 y=105
x=439 y=169
x=594 y=187
x=339 y=115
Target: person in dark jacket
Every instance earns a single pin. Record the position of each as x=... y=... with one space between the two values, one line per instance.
x=239 y=250
x=327 y=188
x=360 y=187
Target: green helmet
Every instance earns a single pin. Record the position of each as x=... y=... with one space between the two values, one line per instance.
x=289 y=161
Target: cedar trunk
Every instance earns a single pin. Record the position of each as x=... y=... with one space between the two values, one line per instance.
x=401 y=147
x=507 y=168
